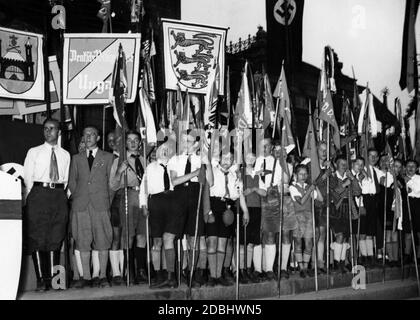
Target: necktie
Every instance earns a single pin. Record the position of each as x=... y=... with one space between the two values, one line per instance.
x=91 y=158
x=264 y=167
x=227 y=195
x=53 y=167
x=375 y=179
x=165 y=177
x=188 y=166
x=137 y=165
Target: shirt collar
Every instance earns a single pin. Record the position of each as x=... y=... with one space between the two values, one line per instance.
x=49 y=146
x=341 y=177
x=94 y=151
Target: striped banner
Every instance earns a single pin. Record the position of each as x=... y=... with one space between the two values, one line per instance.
x=88 y=64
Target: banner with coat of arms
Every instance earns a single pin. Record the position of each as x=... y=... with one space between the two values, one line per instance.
x=88 y=64
x=21 y=65
x=191 y=54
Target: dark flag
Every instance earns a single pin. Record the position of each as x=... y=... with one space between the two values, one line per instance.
x=409 y=62
x=284 y=33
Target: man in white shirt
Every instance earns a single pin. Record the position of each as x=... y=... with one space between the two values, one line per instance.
x=157 y=196
x=184 y=170
x=46 y=173
x=413 y=188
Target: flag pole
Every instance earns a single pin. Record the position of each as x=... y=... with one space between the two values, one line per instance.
x=384 y=230
x=315 y=248
x=281 y=222
x=147 y=217
x=328 y=207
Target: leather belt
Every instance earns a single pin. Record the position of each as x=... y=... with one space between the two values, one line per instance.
x=49 y=185
x=135 y=188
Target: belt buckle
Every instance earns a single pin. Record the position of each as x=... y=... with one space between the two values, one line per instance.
x=51 y=185
x=186 y=184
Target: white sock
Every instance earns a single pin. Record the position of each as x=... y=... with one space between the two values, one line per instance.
x=156 y=254
x=241 y=257
x=263 y=255
x=321 y=246
x=369 y=247
x=344 y=251
x=121 y=259
x=163 y=257
x=285 y=252
x=250 y=250
x=270 y=256
x=113 y=259
x=256 y=258
x=78 y=262
x=363 y=248
x=95 y=263
x=337 y=251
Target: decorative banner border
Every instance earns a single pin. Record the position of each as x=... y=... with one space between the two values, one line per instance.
x=88 y=64
x=191 y=53
x=28 y=107
x=21 y=65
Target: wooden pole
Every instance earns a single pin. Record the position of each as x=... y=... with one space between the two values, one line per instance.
x=328 y=209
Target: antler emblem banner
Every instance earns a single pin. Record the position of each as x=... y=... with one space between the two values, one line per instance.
x=191 y=54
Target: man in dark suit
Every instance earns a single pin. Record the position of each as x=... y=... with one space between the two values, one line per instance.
x=91 y=223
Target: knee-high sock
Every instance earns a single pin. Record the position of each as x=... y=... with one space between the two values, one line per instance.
x=156 y=254
x=121 y=260
x=395 y=250
x=298 y=256
x=285 y=252
x=263 y=260
x=363 y=248
x=114 y=260
x=388 y=251
x=190 y=259
x=270 y=256
x=307 y=254
x=103 y=262
x=256 y=258
x=212 y=257
x=407 y=247
x=202 y=259
x=220 y=263
x=184 y=259
x=95 y=264
x=140 y=254
x=337 y=249
x=228 y=256
x=369 y=247
x=320 y=247
x=163 y=259
x=170 y=259
x=78 y=260
x=241 y=257
x=344 y=249
x=85 y=257
x=250 y=250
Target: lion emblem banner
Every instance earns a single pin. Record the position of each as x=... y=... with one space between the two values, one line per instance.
x=191 y=54
x=21 y=65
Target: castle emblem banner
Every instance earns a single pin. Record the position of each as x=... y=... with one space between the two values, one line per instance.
x=191 y=54
x=21 y=65
x=88 y=64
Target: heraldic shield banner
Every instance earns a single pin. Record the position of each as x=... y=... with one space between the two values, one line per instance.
x=21 y=65
x=89 y=62
x=191 y=54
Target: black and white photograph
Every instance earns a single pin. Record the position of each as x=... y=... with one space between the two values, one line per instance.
x=209 y=157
